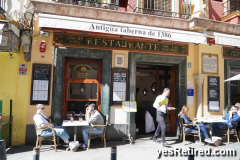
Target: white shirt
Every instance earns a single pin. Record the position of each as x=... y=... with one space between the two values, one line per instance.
x=163 y=108
x=38 y=120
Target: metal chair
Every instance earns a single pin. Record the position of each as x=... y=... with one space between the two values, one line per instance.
x=230 y=131
x=192 y=133
x=101 y=135
x=51 y=138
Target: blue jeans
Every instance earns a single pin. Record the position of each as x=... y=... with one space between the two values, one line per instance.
x=86 y=130
x=59 y=131
x=216 y=126
x=202 y=130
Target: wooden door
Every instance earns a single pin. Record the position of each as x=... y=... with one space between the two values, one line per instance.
x=82 y=84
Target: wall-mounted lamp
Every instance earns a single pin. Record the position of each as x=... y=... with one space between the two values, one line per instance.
x=153 y=88
x=42 y=33
x=9 y=56
x=145 y=92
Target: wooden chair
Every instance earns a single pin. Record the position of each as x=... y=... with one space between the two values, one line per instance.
x=192 y=133
x=230 y=131
x=101 y=135
x=51 y=138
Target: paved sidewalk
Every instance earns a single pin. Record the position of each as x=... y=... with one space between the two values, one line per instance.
x=144 y=149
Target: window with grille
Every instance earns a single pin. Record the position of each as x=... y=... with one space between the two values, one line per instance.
x=163 y=5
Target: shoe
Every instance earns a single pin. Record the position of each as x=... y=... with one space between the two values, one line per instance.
x=198 y=142
x=84 y=145
x=208 y=140
x=165 y=144
x=84 y=148
x=66 y=145
x=155 y=140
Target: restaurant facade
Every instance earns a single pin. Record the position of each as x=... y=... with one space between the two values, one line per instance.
x=78 y=58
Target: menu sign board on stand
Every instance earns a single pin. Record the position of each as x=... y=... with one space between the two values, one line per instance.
x=40 y=90
x=213 y=94
x=119 y=86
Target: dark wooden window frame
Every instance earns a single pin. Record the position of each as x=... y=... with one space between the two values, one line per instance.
x=67 y=80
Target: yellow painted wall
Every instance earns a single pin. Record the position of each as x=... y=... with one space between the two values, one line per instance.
x=17 y=86
x=214 y=49
x=195 y=57
x=36 y=57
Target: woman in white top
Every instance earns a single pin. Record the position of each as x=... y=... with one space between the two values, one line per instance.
x=41 y=120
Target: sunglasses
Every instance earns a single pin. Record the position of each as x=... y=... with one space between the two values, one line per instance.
x=42 y=108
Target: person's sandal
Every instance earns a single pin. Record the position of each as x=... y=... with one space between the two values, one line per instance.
x=66 y=145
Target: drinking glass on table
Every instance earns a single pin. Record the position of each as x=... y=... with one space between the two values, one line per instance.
x=80 y=119
x=71 y=118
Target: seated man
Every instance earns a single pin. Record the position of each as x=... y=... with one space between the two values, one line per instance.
x=232 y=116
x=238 y=112
x=238 y=105
x=94 y=119
x=41 y=120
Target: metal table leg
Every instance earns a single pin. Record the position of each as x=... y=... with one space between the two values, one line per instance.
x=210 y=130
x=75 y=133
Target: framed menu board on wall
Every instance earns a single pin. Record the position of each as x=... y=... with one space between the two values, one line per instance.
x=213 y=94
x=41 y=79
x=119 y=86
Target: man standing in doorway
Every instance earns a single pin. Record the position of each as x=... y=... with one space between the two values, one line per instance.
x=161 y=115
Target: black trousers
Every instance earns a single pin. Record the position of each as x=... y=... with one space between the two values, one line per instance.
x=161 y=125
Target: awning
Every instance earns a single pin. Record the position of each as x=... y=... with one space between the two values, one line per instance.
x=235 y=78
x=107 y=27
x=225 y=39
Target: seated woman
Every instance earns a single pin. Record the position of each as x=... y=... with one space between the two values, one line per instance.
x=183 y=113
x=41 y=120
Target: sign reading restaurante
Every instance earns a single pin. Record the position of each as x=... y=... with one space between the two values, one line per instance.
x=79 y=40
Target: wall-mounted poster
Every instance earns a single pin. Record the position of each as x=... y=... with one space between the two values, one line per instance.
x=119 y=60
x=119 y=86
x=41 y=75
x=209 y=63
x=213 y=94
